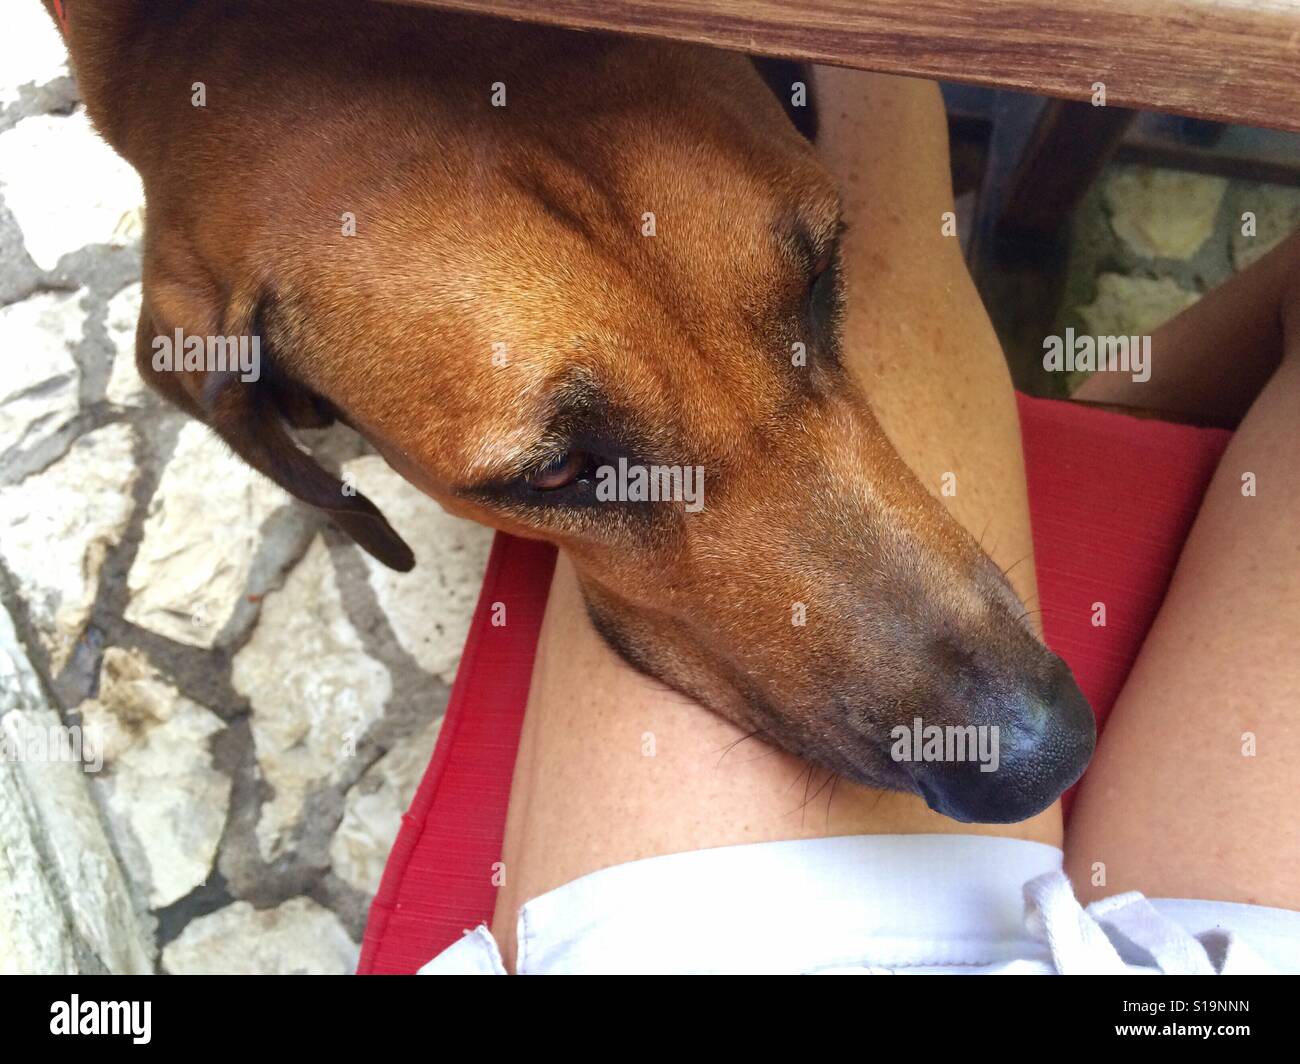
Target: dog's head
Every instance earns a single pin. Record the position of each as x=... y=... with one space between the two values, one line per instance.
x=605 y=313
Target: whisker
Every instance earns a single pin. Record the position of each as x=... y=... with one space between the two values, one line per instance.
x=803 y=809
x=1007 y=571
x=830 y=798
x=735 y=743
x=796 y=779
x=830 y=777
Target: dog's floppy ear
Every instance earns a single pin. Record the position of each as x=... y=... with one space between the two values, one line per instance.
x=243 y=415
x=248 y=411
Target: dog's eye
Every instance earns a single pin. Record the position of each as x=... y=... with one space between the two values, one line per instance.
x=559 y=472
x=823 y=290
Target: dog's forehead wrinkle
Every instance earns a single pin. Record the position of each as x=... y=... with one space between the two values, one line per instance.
x=565 y=181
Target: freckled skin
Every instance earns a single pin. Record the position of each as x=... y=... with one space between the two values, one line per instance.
x=521 y=228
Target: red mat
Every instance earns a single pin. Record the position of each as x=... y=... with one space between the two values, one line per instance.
x=1111 y=499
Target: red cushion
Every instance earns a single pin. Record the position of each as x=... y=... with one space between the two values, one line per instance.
x=438 y=880
x=1111 y=499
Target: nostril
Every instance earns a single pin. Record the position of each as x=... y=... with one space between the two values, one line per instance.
x=932 y=795
x=927 y=792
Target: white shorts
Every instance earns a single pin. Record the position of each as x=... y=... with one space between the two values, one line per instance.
x=904 y=904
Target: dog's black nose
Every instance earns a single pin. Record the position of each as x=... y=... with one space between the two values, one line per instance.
x=1041 y=747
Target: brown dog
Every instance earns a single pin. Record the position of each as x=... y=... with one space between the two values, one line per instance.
x=572 y=249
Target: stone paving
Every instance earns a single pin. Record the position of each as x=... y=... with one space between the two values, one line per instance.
x=263 y=696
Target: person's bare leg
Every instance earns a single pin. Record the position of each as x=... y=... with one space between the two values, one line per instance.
x=1193 y=791
x=1209 y=362
x=612 y=766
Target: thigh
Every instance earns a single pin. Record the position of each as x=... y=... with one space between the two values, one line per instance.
x=1193 y=792
x=614 y=767
x=915 y=330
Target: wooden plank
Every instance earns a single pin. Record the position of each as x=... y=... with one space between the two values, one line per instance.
x=1230 y=60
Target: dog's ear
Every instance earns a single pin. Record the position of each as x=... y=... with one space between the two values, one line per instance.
x=248 y=410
